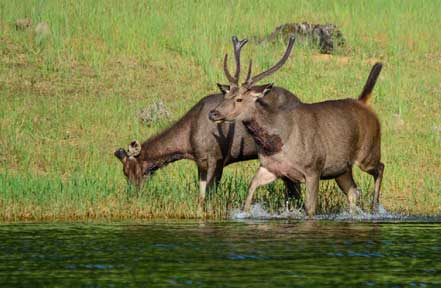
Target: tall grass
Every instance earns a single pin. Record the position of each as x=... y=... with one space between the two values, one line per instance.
x=68 y=103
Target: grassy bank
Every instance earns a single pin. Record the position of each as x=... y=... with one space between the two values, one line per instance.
x=69 y=100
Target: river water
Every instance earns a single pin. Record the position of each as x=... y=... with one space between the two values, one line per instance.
x=400 y=252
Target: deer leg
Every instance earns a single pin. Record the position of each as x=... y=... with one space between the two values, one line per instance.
x=312 y=187
x=214 y=175
x=262 y=177
x=210 y=173
x=348 y=186
x=377 y=173
x=292 y=191
x=378 y=177
x=202 y=187
x=210 y=182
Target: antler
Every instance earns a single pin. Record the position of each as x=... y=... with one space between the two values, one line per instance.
x=227 y=73
x=237 y=46
x=252 y=80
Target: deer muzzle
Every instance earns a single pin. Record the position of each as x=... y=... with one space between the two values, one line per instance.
x=121 y=154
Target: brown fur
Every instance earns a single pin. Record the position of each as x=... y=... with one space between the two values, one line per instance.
x=320 y=140
x=269 y=143
x=366 y=94
x=212 y=146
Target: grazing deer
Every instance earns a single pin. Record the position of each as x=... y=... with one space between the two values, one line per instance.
x=212 y=146
x=308 y=142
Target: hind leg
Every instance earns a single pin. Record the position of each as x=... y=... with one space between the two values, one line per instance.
x=377 y=173
x=292 y=191
x=347 y=185
x=378 y=177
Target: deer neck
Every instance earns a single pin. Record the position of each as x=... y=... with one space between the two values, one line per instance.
x=171 y=145
x=259 y=126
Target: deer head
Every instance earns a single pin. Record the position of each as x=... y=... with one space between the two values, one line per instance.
x=134 y=169
x=239 y=99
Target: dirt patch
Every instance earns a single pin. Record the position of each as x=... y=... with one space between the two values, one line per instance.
x=23 y=24
x=340 y=59
x=328 y=58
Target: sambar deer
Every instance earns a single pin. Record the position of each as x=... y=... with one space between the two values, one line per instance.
x=308 y=142
x=212 y=146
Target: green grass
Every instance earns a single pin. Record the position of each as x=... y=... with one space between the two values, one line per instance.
x=68 y=102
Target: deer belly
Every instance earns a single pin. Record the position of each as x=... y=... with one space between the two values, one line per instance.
x=334 y=171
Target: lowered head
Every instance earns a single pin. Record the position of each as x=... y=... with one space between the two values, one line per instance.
x=133 y=167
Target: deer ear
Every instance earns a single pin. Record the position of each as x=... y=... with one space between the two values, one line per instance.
x=260 y=91
x=121 y=154
x=267 y=88
x=224 y=88
x=134 y=148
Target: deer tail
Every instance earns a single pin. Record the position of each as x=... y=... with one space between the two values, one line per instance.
x=366 y=94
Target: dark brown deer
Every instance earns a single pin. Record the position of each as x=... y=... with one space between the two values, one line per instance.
x=212 y=146
x=308 y=142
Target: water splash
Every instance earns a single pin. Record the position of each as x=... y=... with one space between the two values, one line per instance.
x=381 y=209
x=258 y=211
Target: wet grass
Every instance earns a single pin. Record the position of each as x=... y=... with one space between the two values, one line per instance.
x=68 y=101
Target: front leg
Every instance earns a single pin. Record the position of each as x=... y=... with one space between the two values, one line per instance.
x=202 y=189
x=312 y=186
x=209 y=179
x=202 y=185
x=262 y=177
x=214 y=175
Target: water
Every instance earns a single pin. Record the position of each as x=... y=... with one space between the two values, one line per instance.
x=258 y=211
x=245 y=253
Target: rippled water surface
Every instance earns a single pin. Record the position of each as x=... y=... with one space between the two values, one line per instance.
x=246 y=253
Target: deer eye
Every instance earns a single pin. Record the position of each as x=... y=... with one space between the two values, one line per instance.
x=239 y=100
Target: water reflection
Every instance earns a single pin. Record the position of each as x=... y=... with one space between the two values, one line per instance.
x=230 y=254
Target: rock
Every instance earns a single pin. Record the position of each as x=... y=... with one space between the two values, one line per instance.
x=23 y=24
x=325 y=36
x=153 y=113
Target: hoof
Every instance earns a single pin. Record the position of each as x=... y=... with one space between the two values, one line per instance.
x=201 y=213
x=355 y=210
x=287 y=207
x=246 y=208
x=378 y=209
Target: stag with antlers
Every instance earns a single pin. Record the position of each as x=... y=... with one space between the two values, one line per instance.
x=307 y=142
x=212 y=146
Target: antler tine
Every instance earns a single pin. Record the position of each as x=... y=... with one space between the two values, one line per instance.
x=227 y=73
x=237 y=45
x=248 y=79
x=277 y=66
